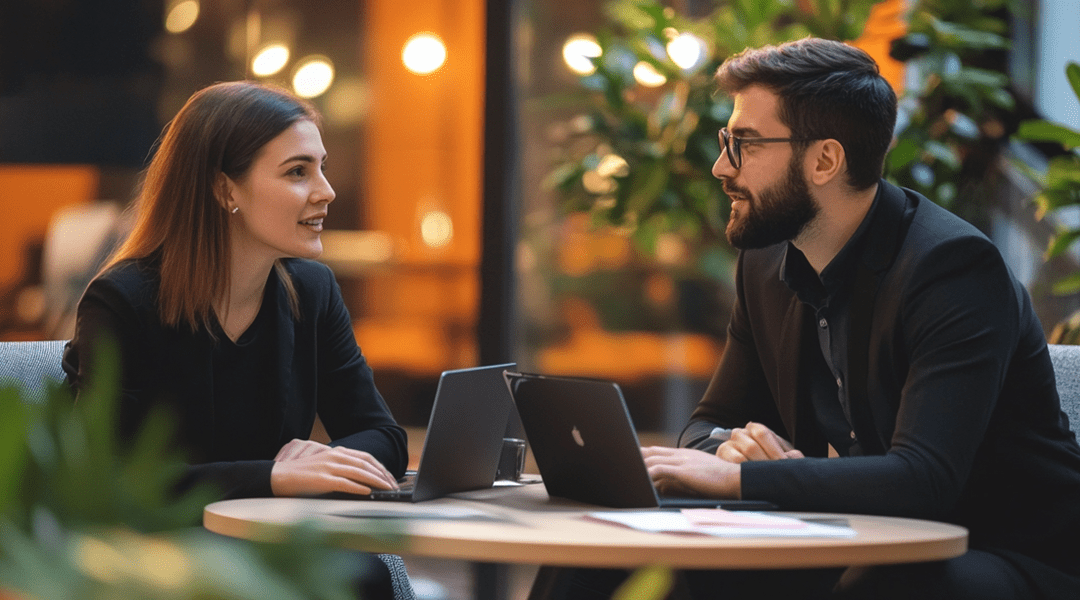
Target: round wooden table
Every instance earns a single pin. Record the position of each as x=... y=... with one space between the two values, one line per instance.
x=522 y=525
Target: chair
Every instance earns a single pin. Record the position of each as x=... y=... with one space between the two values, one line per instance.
x=32 y=366
x=1066 y=361
x=35 y=366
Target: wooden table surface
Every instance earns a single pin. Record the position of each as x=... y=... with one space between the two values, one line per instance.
x=522 y=525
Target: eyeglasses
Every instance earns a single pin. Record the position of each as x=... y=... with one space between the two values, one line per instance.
x=733 y=145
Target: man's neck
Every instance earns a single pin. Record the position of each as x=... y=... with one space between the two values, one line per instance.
x=839 y=217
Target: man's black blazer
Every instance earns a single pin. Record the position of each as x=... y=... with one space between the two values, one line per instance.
x=957 y=389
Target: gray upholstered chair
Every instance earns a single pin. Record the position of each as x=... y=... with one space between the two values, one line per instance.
x=1066 y=361
x=33 y=365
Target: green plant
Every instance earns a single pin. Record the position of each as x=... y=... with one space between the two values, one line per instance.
x=83 y=515
x=1060 y=185
x=1061 y=181
x=956 y=106
x=639 y=159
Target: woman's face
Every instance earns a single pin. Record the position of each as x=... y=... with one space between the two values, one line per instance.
x=283 y=198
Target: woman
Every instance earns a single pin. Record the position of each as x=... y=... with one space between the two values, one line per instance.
x=220 y=318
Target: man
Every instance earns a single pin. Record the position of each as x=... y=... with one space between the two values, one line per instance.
x=872 y=325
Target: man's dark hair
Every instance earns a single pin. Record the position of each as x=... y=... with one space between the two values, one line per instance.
x=827 y=90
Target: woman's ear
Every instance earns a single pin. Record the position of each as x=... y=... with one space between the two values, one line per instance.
x=223 y=190
x=828 y=162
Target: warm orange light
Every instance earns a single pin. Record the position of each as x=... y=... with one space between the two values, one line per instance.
x=424 y=53
x=578 y=52
x=182 y=16
x=313 y=77
x=270 y=60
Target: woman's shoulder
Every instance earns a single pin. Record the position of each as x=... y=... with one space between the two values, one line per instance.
x=308 y=273
x=313 y=281
x=134 y=277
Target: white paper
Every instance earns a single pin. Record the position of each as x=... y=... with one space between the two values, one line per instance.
x=762 y=525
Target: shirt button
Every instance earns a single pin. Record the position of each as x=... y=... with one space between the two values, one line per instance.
x=852 y=434
x=823 y=323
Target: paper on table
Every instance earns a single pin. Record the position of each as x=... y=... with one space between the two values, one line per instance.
x=721 y=523
x=718 y=517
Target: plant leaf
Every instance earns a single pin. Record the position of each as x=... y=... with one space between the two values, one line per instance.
x=1039 y=130
x=1066 y=286
x=1072 y=73
x=1051 y=200
x=957 y=35
x=944 y=153
x=1063 y=173
x=13 y=424
x=647 y=583
x=1061 y=242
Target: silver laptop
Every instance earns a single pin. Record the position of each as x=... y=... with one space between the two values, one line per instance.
x=586 y=447
x=464 y=436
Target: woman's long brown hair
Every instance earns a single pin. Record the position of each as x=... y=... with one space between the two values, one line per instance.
x=181 y=215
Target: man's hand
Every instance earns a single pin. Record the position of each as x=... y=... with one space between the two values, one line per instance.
x=685 y=471
x=308 y=471
x=756 y=442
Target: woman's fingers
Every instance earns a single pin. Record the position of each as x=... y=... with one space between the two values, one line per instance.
x=297 y=448
x=334 y=470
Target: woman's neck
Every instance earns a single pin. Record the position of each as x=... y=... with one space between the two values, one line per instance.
x=247 y=283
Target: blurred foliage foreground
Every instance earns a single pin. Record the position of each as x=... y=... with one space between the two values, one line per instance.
x=84 y=515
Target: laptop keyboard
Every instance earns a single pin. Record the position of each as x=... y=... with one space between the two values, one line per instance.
x=404 y=491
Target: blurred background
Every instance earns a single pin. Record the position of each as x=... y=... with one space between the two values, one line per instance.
x=522 y=179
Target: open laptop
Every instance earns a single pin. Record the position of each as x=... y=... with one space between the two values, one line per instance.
x=464 y=436
x=586 y=447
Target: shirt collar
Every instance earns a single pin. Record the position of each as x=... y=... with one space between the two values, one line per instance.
x=799 y=276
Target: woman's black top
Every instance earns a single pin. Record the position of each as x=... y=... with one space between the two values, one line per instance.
x=236 y=404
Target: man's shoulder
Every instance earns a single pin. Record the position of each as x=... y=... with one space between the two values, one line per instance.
x=939 y=236
x=932 y=223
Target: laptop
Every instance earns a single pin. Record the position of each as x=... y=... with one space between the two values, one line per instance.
x=464 y=436
x=586 y=447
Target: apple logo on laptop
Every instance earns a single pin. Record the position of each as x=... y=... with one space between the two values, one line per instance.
x=577 y=436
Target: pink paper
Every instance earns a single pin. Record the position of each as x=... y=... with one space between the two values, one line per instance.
x=718 y=517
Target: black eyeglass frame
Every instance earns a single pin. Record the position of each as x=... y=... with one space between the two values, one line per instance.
x=734 y=150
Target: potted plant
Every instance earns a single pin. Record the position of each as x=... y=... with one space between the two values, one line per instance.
x=1060 y=185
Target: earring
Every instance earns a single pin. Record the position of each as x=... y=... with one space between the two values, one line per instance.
x=235 y=210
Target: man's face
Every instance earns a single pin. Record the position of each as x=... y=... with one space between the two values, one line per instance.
x=770 y=199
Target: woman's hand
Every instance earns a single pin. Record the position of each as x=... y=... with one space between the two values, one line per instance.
x=756 y=442
x=685 y=471
x=298 y=449
x=309 y=469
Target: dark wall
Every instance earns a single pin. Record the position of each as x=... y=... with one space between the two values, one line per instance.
x=78 y=81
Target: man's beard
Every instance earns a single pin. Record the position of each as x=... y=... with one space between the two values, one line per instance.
x=777 y=214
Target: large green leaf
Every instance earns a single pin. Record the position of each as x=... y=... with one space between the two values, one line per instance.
x=14 y=418
x=958 y=35
x=905 y=151
x=1050 y=200
x=1063 y=173
x=1061 y=242
x=1072 y=73
x=648 y=583
x=1038 y=130
x=1068 y=285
